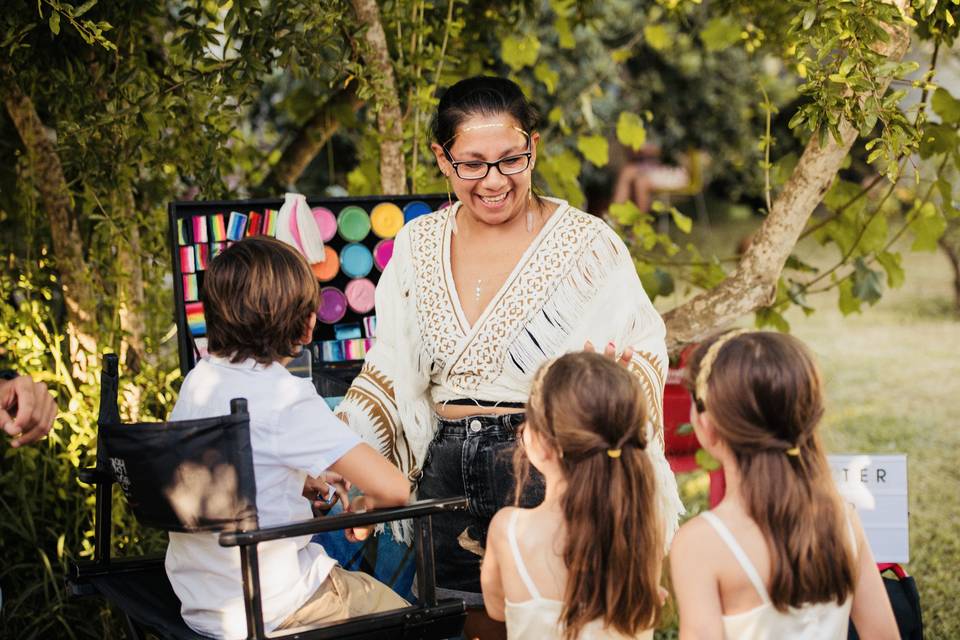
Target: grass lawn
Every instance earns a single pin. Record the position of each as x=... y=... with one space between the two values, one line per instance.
x=892 y=376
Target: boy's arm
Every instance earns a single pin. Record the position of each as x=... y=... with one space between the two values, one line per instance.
x=379 y=480
x=491 y=578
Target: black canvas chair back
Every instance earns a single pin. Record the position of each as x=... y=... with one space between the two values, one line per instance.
x=194 y=475
x=197 y=475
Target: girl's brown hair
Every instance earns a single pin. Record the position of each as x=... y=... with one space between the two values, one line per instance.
x=258 y=296
x=591 y=411
x=763 y=394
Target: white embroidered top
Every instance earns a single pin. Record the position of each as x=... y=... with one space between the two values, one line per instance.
x=576 y=282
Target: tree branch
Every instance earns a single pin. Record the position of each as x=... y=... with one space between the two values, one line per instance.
x=393 y=174
x=308 y=142
x=754 y=284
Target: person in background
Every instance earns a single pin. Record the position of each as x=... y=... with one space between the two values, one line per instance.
x=586 y=562
x=781 y=556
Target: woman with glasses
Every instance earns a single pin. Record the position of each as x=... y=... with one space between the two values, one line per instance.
x=476 y=297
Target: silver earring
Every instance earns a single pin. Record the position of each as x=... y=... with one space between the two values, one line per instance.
x=530 y=211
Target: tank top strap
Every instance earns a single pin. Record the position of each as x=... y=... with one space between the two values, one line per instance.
x=517 y=560
x=739 y=554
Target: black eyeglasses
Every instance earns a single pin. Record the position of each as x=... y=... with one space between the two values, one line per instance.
x=478 y=169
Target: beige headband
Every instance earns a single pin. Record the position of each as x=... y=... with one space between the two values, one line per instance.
x=706 y=364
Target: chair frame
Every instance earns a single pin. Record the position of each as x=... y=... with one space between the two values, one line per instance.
x=414 y=620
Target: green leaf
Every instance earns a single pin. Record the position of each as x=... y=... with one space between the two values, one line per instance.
x=55 y=23
x=927 y=228
x=937 y=139
x=808 y=17
x=545 y=74
x=867 y=284
x=596 y=149
x=630 y=130
x=519 y=52
x=626 y=213
x=684 y=223
x=706 y=461
x=657 y=36
x=891 y=264
x=720 y=33
x=848 y=302
x=946 y=106
x=565 y=34
x=770 y=317
x=561 y=171
x=874 y=235
x=657 y=283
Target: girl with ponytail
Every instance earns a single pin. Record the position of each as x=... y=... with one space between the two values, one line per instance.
x=781 y=556
x=586 y=562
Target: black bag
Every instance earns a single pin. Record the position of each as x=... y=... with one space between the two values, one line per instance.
x=905 y=600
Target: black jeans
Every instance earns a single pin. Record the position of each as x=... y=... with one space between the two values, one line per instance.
x=471 y=457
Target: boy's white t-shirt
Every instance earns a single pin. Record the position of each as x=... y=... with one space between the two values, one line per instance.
x=293 y=433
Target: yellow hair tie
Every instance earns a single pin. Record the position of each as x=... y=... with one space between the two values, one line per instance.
x=614 y=453
x=794 y=451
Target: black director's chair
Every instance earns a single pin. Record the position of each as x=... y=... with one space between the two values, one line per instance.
x=197 y=475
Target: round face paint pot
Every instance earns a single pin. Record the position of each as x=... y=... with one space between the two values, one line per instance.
x=382 y=253
x=333 y=305
x=415 y=209
x=360 y=295
x=327 y=270
x=356 y=260
x=326 y=222
x=354 y=223
x=386 y=219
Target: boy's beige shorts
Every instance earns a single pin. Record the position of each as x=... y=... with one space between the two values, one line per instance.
x=344 y=594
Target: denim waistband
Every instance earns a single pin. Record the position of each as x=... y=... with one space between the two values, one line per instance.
x=490 y=425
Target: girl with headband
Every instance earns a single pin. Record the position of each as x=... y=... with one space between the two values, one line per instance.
x=781 y=556
x=475 y=298
x=585 y=563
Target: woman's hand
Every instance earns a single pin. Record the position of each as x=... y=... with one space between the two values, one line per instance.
x=610 y=351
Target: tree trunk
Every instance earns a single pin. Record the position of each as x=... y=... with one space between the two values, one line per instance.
x=130 y=287
x=393 y=175
x=77 y=280
x=950 y=243
x=308 y=142
x=754 y=283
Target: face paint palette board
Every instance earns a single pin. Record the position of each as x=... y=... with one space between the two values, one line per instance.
x=358 y=235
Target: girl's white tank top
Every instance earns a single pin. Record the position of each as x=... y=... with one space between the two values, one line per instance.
x=820 y=621
x=539 y=617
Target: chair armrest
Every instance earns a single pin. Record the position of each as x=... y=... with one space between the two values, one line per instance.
x=94 y=475
x=418 y=509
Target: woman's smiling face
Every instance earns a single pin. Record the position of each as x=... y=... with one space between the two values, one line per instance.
x=495 y=198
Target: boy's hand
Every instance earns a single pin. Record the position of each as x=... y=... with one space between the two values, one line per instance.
x=323 y=492
x=359 y=534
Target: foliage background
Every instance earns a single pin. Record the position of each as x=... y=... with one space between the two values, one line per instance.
x=142 y=103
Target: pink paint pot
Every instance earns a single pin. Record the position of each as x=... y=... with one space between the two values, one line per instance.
x=361 y=295
x=326 y=221
x=382 y=253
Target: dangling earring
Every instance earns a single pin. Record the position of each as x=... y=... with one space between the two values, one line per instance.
x=453 y=222
x=530 y=210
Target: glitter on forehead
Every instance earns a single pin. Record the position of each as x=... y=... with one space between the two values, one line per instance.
x=487 y=126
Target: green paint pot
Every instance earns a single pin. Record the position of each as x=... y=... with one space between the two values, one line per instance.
x=353 y=223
